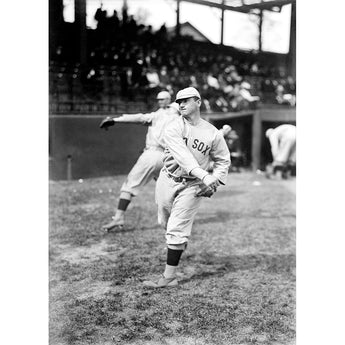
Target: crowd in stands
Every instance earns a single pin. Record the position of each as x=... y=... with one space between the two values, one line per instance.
x=132 y=62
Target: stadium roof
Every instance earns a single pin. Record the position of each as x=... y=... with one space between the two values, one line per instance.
x=245 y=6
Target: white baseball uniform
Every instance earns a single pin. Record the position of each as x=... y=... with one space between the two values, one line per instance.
x=150 y=161
x=187 y=147
x=283 y=144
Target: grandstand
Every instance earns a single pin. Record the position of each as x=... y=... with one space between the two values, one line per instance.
x=121 y=65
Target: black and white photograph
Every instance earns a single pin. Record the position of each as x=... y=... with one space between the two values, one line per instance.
x=149 y=180
x=172 y=172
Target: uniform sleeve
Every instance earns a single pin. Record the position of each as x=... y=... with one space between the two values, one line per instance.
x=143 y=119
x=221 y=156
x=177 y=147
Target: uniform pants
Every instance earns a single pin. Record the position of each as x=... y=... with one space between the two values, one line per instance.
x=286 y=152
x=177 y=207
x=144 y=170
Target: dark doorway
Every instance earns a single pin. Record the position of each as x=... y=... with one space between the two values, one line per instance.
x=243 y=127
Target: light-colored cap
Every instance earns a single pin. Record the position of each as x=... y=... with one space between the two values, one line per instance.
x=175 y=106
x=226 y=129
x=187 y=93
x=163 y=95
x=268 y=132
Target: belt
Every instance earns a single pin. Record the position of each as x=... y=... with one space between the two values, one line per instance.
x=180 y=179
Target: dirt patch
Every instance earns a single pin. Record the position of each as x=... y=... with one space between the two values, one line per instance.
x=82 y=254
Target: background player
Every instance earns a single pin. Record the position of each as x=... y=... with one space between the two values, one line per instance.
x=150 y=161
x=233 y=142
x=191 y=144
x=225 y=130
x=283 y=147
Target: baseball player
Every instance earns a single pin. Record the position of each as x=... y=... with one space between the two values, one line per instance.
x=150 y=161
x=283 y=147
x=225 y=130
x=236 y=155
x=191 y=144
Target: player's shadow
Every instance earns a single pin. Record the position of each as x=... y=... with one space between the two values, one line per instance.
x=217 y=217
x=130 y=228
x=208 y=265
x=227 y=193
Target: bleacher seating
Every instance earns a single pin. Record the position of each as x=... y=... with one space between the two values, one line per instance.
x=122 y=67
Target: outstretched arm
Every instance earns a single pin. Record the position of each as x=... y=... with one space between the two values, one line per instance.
x=143 y=119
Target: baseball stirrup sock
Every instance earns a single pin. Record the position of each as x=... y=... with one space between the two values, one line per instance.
x=170 y=271
x=173 y=257
x=123 y=204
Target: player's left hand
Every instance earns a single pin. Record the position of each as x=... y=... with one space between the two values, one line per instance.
x=211 y=181
x=107 y=122
x=205 y=191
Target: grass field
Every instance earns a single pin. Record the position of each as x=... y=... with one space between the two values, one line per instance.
x=237 y=277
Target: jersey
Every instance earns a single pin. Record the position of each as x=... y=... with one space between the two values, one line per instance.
x=195 y=146
x=156 y=122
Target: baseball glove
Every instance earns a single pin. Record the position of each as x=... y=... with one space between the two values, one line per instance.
x=205 y=191
x=107 y=122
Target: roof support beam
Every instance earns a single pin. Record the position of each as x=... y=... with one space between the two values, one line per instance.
x=267 y=5
x=260 y=29
x=243 y=8
x=222 y=25
x=80 y=20
x=177 y=30
x=216 y=5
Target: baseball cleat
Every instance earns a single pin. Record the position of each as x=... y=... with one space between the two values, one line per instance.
x=115 y=224
x=161 y=283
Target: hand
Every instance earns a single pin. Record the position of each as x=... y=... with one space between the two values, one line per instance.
x=107 y=122
x=211 y=181
x=204 y=191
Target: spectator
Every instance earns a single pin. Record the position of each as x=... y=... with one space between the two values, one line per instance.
x=114 y=25
x=284 y=98
x=164 y=77
x=153 y=78
x=101 y=17
x=246 y=95
x=132 y=28
x=212 y=81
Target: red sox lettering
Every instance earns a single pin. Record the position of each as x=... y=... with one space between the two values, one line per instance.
x=199 y=145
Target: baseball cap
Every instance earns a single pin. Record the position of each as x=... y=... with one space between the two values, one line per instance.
x=268 y=132
x=226 y=129
x=163 y=95
x=187 y=93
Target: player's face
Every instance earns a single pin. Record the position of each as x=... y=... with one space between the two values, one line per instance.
x=189 y=106
x=163 y=102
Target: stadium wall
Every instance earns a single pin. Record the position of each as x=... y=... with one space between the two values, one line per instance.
x=94 y=152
